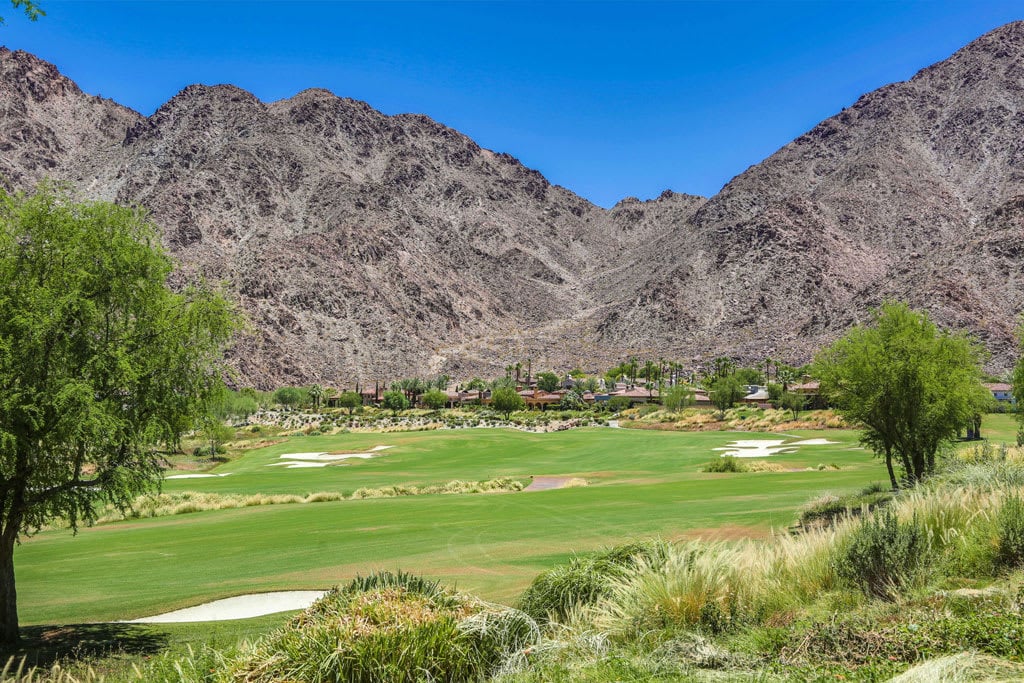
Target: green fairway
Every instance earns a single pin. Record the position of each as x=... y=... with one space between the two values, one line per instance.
x=643 y=483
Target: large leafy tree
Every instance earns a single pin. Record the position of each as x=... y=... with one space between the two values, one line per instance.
x=506 y=400
x=724 y=391
x=102 y=364
x=909 y=385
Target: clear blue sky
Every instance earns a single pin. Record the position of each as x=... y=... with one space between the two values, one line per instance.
x=608 y=99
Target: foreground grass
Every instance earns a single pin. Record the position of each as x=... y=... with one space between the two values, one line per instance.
x=779 y=609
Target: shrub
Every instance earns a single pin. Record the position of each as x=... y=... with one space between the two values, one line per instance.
x=726 y=463
x=883 y=554
x=617 y=404
x=584 y=579
x=1010 y=551
x=393 y=628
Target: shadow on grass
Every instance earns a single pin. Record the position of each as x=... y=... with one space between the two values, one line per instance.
x=43 y=646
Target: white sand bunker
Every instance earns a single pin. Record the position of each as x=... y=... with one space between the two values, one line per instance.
x=323 y=459
x=765 y=448
x=195 y=476
x=239 y=607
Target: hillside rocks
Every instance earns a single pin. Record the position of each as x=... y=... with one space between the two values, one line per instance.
x=366 y=247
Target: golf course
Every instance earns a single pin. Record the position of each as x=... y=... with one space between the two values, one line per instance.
x=640 y=484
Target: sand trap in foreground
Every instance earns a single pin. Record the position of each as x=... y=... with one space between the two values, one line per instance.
x=239 y=607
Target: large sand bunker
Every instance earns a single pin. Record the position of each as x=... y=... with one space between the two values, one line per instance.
x=760 y=448
x=239 y=607
x=323 y=458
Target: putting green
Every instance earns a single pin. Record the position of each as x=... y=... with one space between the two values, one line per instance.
x=644 y=483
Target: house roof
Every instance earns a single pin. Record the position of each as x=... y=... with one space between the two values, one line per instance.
x=759 y=395
x=998 y=386
x=813 y=385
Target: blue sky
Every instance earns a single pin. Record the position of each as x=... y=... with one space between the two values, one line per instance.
x=608 y=99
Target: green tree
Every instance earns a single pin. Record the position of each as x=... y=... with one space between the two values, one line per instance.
x=677 y=397
x=349 y=400
x=435 y=399
x=724 y=391
x=29 y=7
x=572 y=400
x=289 y=397
x=395 y=401
x=102 y=364
x=617 y=404
x=216 y=434
x=793 y=402
x=723 y=365
x=478 y=385
x=506 y=400
x=1017 y=381
x=548 y=381
x=316 y=395
x=909 y=386
x=502 y=383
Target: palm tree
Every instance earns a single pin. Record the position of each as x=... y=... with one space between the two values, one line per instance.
x=519 y=369
x=316 y=394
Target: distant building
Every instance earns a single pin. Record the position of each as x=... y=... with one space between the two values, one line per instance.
x=1001 y=392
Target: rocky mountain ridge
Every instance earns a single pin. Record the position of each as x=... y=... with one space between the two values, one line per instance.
x=367 y=247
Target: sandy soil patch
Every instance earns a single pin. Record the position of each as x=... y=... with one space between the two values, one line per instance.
x=548 y=483
x=239 y=607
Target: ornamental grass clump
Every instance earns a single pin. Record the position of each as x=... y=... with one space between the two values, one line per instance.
x=585 y=579
x=390 y=628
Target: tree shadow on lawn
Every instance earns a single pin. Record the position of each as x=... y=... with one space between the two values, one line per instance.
x=44 y=646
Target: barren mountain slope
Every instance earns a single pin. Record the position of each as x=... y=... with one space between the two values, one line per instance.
x=361 y=245
x=366 y=246
x=891 y=197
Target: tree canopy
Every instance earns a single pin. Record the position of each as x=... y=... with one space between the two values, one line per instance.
x=101 y=364
x=548 y=381
x=506 y=400
x=724 y=391
x=31 y=9
x=909 y=385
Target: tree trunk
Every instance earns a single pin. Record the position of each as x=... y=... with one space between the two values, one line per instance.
x=8 y=594
x=888 y=466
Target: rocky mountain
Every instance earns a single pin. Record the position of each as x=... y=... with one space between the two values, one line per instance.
x=365 y=246
x=914 y=193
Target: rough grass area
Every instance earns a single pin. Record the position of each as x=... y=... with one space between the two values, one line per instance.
x=184 y=502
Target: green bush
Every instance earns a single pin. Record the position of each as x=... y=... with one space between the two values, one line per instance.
x=617 y=404
x=646 y=409
x=726 y=463
x=1010 y=551
x=883 y=554
x=390 y=628
x=584 y=579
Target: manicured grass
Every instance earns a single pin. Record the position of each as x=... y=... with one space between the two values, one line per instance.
x=644 y=484
x=1000 y=428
